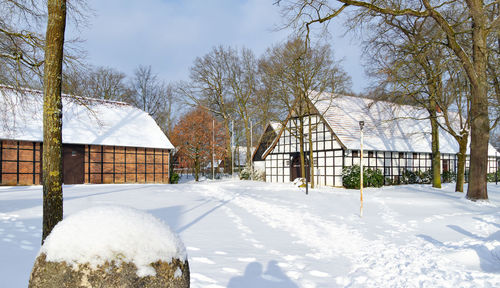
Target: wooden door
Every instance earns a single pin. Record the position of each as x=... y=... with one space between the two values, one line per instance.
x=73 y=164
x=295 y=171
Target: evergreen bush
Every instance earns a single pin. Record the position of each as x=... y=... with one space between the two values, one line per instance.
x=448 y=177
x=247 y=174
x=374 y=177
x=174 y=178
x=424 y=177
x=409 y=177
x=491 y=176
x=371 y=178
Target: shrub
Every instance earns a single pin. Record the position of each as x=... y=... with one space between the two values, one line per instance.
x=371 y=178
x=374 y=177
x=350 y=177
x=388 y=181
x=448 y=177
x=247 y=173
x=424 y=177
x=174 y=178
x=409 y=177
x=491 y=176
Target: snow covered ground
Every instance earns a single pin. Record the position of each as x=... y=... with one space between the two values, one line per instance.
x=253 y=234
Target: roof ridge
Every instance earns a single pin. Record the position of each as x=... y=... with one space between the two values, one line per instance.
x=90 y=99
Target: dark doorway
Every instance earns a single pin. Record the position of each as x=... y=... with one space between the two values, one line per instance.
x=446 y=165
x=295 y=171
x=73 y=164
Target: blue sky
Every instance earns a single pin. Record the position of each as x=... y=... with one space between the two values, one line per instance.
x=169 y=35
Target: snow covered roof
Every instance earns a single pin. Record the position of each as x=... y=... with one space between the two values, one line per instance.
x=85 y=121
x=388 y=126
x=271 y=132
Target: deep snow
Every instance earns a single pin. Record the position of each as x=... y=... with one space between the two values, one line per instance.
x=253 y=234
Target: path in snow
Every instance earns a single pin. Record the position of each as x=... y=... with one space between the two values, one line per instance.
x=416 y=263
x=251 y=234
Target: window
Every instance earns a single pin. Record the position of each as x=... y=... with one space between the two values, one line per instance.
x=387 y=171
x=415 y=155
x=355 y=153
x=401 y=155
x=370 y=154
x=446 y=165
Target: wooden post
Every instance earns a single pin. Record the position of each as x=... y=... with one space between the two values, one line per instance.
x=361 y=124
x=213 y=149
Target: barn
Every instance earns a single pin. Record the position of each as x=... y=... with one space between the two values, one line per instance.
x=396 y=138
x=103 y=141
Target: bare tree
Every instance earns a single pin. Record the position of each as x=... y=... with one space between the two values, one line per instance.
x=408 y=69
x=106 y=83
x=52 y=117
x=294 y=73
x=21 y=41
x=241 y=70
x=472 y=56
x=208 y=88
x=151 y=95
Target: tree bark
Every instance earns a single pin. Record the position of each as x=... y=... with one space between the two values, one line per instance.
x=228 y=158
x=52 y=117
x=302 y=152
x=247 y=124
x=462 y=144
x=436 y=155
x=480 y=126
x=197 y=168
x=311 y=156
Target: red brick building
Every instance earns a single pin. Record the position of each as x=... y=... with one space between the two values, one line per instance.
x=103 y=141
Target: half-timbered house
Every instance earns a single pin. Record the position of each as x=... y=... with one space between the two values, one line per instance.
x=396 y=138
x=103 y=141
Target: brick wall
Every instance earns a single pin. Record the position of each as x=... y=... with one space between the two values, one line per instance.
x=20 y=162
x=114 y=164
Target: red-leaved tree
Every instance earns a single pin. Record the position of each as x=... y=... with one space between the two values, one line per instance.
x=196 y=136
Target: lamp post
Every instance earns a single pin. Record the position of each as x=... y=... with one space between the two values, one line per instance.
x=213 y=149
x=361 y=124
x=232 y=149
x=251 y=150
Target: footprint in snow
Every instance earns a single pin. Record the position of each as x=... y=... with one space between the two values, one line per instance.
x=247 y=259
x=202 y=260
x=320 y=274
x=230 y=270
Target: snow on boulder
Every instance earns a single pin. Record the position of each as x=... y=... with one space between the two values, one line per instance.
x=111 y=246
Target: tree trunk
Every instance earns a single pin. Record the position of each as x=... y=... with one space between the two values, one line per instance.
x=436 y=155
x=228 y=158
x=197 y=168
x=480 y=126
x=302 y=152
x=462 y=144
x=311 y=157
x=249 y=141
x=52 y=117
x=480 y=133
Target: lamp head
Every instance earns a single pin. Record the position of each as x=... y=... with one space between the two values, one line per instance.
x=361 y=124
